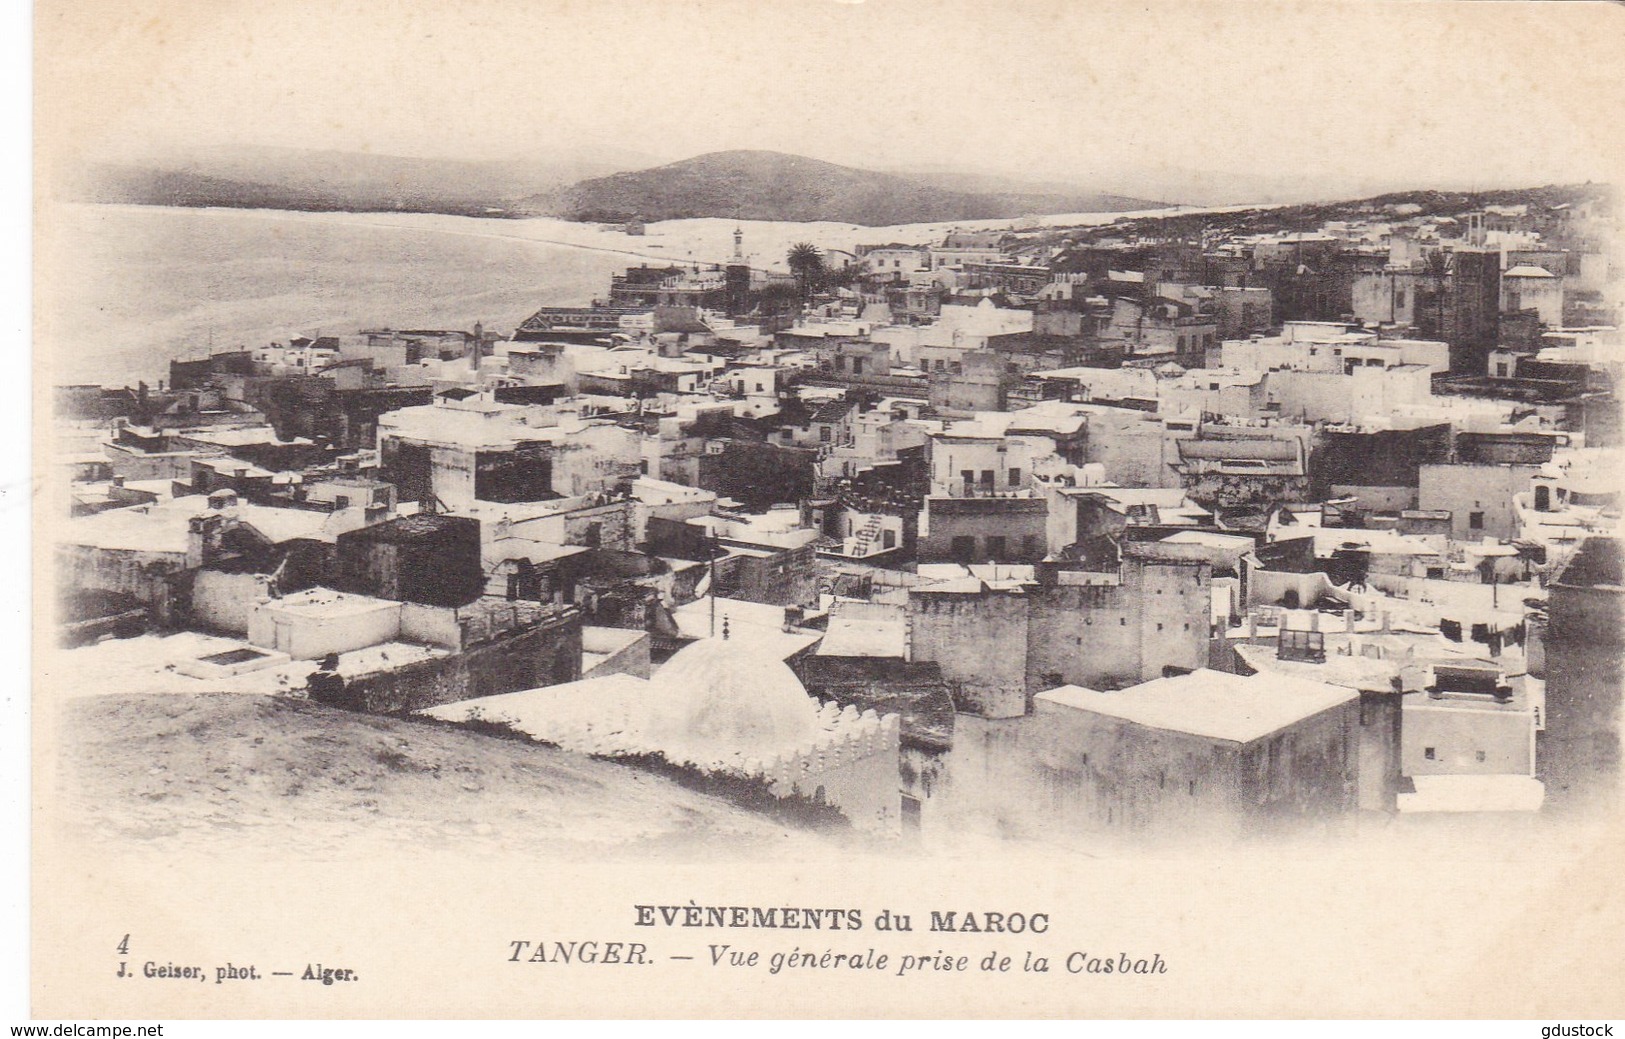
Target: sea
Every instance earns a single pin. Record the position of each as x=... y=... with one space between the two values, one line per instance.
x=122 y=290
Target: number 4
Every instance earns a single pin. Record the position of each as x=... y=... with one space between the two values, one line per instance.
x=124 y=945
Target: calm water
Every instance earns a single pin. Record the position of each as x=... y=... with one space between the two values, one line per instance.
x=127 y=288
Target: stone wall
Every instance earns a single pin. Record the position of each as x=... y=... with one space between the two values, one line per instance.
x=1083 y=635
x=548 y=654
x=142 y=575
x=223 y=602
x=1578 y=754
x=786 y=578
x=851 y=765
x=981 y=530
x=1457 y=735
x=625 y=652
x=1069 y=774
x=978 y=640
x=1108 y=636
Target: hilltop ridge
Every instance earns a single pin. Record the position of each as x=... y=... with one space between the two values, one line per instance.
x=767 y=185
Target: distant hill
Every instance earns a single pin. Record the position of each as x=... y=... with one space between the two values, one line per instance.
x=1203 y=185
x=305 y=179
x=1307 y=216
x=752 y=185
x=1038 y=196
x=151 y=187
x=584 y=181
x=764 y=185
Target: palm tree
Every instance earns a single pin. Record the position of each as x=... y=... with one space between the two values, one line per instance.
x=807 y=264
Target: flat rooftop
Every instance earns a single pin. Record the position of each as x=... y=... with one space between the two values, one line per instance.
x=326 y=604
x=1228 y=542
x=760 y=624
x=866 y=636
x=1212 y=704
x=151 y=663
x=422 y=526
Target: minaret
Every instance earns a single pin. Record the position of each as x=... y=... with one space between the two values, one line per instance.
x=737 y=276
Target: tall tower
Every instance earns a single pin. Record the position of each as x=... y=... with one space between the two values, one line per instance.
x=737 y=277
x=1475 y=306
x=1577 y=754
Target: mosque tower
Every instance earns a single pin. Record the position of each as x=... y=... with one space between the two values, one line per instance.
x=737 y=277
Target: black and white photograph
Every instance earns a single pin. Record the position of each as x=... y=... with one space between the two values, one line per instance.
x=827 y=508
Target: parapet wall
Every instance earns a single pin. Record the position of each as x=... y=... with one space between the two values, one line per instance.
x=547 y=654
x=853 y=766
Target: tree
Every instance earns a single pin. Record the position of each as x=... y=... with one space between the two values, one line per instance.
x=807 y=264
x=846 y=277
x=1436 y=265
x=776 y=298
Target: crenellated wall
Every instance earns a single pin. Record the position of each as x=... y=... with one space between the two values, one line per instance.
x=853 y=766
x=851 y=762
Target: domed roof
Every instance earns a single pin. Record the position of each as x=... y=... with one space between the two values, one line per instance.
x=723 y=701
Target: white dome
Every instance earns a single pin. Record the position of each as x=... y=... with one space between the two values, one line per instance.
x=722 y=701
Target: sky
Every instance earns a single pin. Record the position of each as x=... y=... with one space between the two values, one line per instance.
x=1102 y=93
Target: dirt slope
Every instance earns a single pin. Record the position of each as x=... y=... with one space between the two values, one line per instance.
x=243 y=771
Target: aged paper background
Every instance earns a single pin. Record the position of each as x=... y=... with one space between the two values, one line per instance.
x=1464 y=924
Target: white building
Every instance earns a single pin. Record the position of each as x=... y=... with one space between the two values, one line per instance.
x=1528 y=287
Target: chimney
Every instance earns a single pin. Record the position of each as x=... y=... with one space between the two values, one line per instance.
x=197 y=539
x=1314 y=620
x=118 y=481
x=1348 y=620
x=1387 y=622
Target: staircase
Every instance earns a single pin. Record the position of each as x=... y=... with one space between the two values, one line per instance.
x=867 y=539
